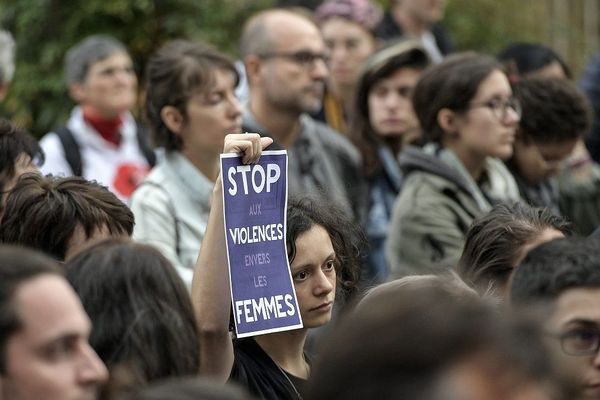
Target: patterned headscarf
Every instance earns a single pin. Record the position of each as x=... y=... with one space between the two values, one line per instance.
x=362 y=12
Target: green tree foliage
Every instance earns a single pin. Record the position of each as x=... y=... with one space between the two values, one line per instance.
x=45 y=29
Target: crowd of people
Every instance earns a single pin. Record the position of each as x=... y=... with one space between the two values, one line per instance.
x=441 y=233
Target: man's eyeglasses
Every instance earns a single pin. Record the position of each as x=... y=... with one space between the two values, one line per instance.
x=305 y=59
x=500 y=107
x=580 y=342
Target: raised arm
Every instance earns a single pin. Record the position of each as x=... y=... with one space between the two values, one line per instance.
x=210 y=286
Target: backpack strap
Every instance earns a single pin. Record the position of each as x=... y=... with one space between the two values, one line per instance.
x=71 y=148
x=171 y=208
x=144 y=146
x=73 y=152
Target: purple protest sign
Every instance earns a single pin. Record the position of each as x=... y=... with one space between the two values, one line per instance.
x=255 y=203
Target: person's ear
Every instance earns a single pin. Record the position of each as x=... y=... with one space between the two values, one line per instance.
x=253 y=65
x=77 y=92
x=172 y=118
x=447 y=120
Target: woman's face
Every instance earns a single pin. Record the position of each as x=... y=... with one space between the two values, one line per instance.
x=488 y=127
x=349 y=45
x=211 y=115
x=109 y=87
x=313 y=272
x=390 y=107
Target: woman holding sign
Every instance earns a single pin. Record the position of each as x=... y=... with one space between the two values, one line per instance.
x=191 y=106
x=321 y=246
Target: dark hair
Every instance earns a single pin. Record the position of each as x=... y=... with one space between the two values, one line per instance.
x=530 y=57
x=177 y=71
x=346 y=237
x=87 y=52
x=494 y=242
x=17 y=265
x=43 y=212
x=190 y=389
x=556 y=266
x=381 y=65
x=14 y=142
x=554 y=110
x=141 y=312
x=451 y=84
x=396 y=343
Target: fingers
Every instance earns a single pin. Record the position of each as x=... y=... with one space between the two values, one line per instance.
x=248 y=145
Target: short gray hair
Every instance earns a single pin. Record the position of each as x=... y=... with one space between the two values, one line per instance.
x=7 y=57
x=92 y=49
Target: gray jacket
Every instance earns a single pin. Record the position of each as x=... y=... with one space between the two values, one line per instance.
x=436 y=207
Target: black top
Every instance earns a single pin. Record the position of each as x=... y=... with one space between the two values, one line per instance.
x=256 y=371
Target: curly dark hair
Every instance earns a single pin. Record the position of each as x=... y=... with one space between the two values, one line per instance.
x=554 y=110
x=347 y=238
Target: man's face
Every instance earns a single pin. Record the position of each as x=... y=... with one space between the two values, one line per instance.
x=293 y=78
x=576 y=319
x=49 y=357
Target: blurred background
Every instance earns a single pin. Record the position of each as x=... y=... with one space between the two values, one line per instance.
x=45 y=29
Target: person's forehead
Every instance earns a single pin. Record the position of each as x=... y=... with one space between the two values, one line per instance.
x=577 y=304
x=556 y=150
x=293 y=33
x=48 y=307
x=494 y=84
x=117 y=57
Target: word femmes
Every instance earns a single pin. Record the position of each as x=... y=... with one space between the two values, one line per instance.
x=264 y=308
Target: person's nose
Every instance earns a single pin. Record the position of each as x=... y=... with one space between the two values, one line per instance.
x=338 y=54
x=323 y=285
x=320 y=70
x=511 y=117
x=235 y=108
x=92 y=370
x=596 y=360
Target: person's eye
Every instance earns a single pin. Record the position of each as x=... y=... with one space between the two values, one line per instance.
x=380 y=91
x=581 y=339
x=352 y=44
x=301 y=276
x=60 y=349
x=329 y=265
x=405 y=91
x=304 y=57
x=108 y=72
x=215 y=97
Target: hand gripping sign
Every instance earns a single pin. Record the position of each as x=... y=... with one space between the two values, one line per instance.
x=255 y=203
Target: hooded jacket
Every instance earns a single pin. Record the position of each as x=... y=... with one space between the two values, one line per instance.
x=438 y=202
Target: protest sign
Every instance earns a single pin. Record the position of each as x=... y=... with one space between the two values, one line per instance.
x=254 y=204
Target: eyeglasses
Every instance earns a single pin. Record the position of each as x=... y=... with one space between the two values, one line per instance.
x=305 y=59
x=583 y=342
x=500 y=107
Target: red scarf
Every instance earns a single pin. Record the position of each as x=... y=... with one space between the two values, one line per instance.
x=109 y=129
